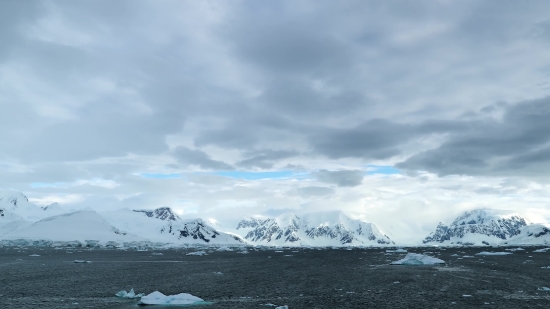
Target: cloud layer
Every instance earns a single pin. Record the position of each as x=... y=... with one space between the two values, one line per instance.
x=145 y=104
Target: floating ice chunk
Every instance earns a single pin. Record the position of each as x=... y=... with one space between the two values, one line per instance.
x=199 y=253
x=546 y=289
x=542 y=250
x=34 y=255
x=397 y=251
x=131 y=294
x=157 y=298
x=418 y=259
x=81 y=261
x=454 y=254
x=156 y=253
x=515 y=249
x=466 y=295
x=224 y=248
x=493 y=253
x=282 y=307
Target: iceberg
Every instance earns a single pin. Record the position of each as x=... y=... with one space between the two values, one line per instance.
x=418 y=259
x=131 y=294
x=493 y=253
x=157 y=298
x=199 y=253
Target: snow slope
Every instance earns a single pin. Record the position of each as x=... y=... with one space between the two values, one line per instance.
x=79 y=226
x=478 y=227
x=332 y=228
x=534 y=234
x=18 y=204
x=165 y=229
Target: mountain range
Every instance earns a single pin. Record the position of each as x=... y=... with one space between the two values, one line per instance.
x=21 y=220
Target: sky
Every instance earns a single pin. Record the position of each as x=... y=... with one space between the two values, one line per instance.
x=400 y=113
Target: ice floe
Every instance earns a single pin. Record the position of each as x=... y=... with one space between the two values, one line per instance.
x=131 y=294
x=542 y=250
x=493 y=253
x=81 y=261
x=157 y=298
x=418 y=259
x=198 y=253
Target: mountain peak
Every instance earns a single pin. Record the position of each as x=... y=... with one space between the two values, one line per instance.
x=162 y=213
x=12 y=197
x=477 y=227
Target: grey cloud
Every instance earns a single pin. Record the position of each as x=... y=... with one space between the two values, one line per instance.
x=516 y=144
x=199 y=158
x=342 y=178
x=266 y=158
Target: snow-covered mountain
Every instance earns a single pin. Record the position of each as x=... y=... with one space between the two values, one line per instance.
x=196 y=230
x=18 y=204
x=332 y=228
x=82 y=226
x=165 y=228
x=162 y=213
x=249 y=223
x=534 y=234
x=478 y=227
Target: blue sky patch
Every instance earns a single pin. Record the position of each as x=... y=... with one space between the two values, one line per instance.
x=382 y=169
x=258 y=175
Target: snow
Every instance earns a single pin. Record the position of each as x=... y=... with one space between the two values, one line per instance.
x=157 y=298
x=131 y=294
x=321 y=229
x=177 y=231
x=78 y=226
x=198 y=253
x=418 y=259
x=493 y=253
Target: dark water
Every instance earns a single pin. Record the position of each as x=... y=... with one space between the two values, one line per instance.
x=309 y=278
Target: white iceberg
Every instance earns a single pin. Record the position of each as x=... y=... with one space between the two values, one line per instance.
x=418 y=259
x=493 y=253
x=157 y=298
x=198 y=253
x=131 y=294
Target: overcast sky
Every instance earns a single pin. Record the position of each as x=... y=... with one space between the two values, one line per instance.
x=401 y=113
